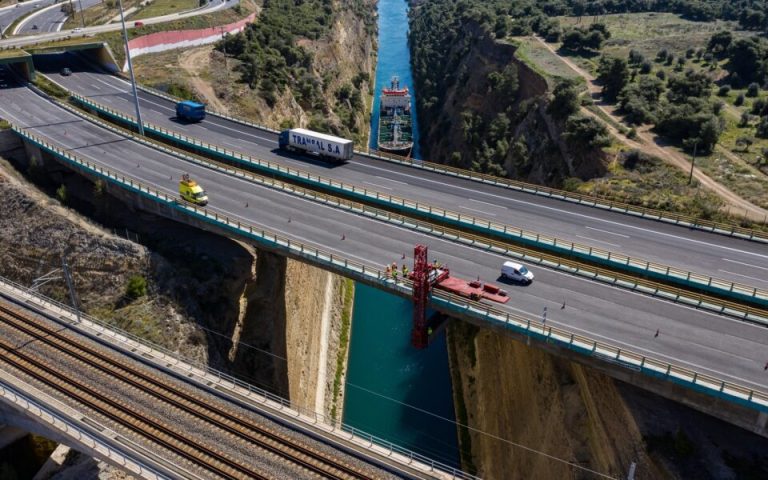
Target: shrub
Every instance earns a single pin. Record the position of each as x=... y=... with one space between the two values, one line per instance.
x=582 y=132
x=753 y=89
x=61 y=193
x=739 y=100
x=762 y=128
x=137 y=287
x=744 y=120
x=646 y=67
x=723 y=91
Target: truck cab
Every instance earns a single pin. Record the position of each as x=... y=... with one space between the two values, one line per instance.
x=190 y=111
x=192 y=192
x=283 y=140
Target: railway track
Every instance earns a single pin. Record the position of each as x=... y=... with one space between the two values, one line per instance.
x=291 y=450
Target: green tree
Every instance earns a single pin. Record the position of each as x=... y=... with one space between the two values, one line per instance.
x=565 y=99
x=136 y=288
x=613 y=72
x=584 y=133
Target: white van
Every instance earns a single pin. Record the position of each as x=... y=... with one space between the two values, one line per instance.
x=517 y=272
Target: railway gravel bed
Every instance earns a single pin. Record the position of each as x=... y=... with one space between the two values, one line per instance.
x=248 y=439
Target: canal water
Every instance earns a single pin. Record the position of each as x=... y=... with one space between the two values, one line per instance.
x=394 y=391
x=394 y=60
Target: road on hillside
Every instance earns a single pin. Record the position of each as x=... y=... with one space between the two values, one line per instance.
x=713 y=255
x=52 y=19
x=719 y=346
x=9 y=14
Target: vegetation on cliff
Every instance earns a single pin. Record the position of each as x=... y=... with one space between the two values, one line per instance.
x=274 y=57
x=483 y=112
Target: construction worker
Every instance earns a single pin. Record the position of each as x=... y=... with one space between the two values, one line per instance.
x=405 y=270
x=388 y=271
x=394 y=274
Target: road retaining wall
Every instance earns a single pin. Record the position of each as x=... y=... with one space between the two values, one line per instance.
x=161 y=41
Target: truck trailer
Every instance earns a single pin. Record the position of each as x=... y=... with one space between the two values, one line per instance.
x=325 y=146
x=190 y=111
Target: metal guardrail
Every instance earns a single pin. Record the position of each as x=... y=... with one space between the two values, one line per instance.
x=532 y=188
x=717 y=305
x=447 y=302
x=265 y=395
x=661 y=272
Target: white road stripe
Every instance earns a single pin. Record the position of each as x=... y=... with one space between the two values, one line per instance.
x=488 y=203
x=598 y=241
x=478 y=211
x=377 y=185
x=740 y=275
x=390 y=180
x=606 y=231
x=745 y=264
x=568 y=212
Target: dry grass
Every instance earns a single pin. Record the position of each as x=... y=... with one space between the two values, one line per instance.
x=165 y=7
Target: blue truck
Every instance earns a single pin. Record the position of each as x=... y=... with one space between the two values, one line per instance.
x=190 y=111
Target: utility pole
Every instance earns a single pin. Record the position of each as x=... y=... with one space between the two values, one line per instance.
x=130 y=69
x=70 y=286
x=82 y=13
x=693 y=161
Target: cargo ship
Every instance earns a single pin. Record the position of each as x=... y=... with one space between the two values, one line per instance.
x=395 y=129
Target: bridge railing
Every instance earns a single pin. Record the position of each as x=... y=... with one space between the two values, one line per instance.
x=262 y=396
x=441 y=300
x=688 y=297
x=731 y=229
x=734 y=290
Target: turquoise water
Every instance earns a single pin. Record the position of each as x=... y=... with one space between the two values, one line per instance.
x=394 y=391
x=394 y=60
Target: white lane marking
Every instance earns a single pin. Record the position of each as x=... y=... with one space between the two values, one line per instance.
x=165 y=107
x=745 y=264
x=488 y=203
x=589 y=333
x=377 y=185
x=658 y=355
x=598 y=241
x=568 y=212
x=476 y=210
x=606 y=231
x=390 y=180
x=740 y=275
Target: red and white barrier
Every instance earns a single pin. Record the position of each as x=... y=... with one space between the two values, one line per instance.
x=161 y=41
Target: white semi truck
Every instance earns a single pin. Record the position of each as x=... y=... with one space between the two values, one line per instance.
x=325 y=146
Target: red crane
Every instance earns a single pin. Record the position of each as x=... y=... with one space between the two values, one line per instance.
x=421 y=286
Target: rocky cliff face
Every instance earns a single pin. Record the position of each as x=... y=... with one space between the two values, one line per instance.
x=525 y=396
x=482 y=108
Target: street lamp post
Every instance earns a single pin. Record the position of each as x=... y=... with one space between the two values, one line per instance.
x=130 y=69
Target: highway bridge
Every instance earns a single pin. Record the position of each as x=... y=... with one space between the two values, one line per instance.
x=712 y=255
x=153 y=415
x=711 y=345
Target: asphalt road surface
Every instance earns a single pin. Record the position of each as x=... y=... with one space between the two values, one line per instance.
x=719 y=346
x=713 y=255
x=9 y=14
x=52 y=19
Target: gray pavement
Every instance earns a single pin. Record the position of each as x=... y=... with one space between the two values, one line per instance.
x=52 y=19
x=9 y=14
x=726 y=348
x=713 y=255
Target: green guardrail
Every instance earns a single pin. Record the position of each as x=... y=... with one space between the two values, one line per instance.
x=686 y=297
x=728 y=229
x=659 y=272
x=440 y=300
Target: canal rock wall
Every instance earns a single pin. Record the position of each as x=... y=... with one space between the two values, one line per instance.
x=491 y=114
x=512 y=391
